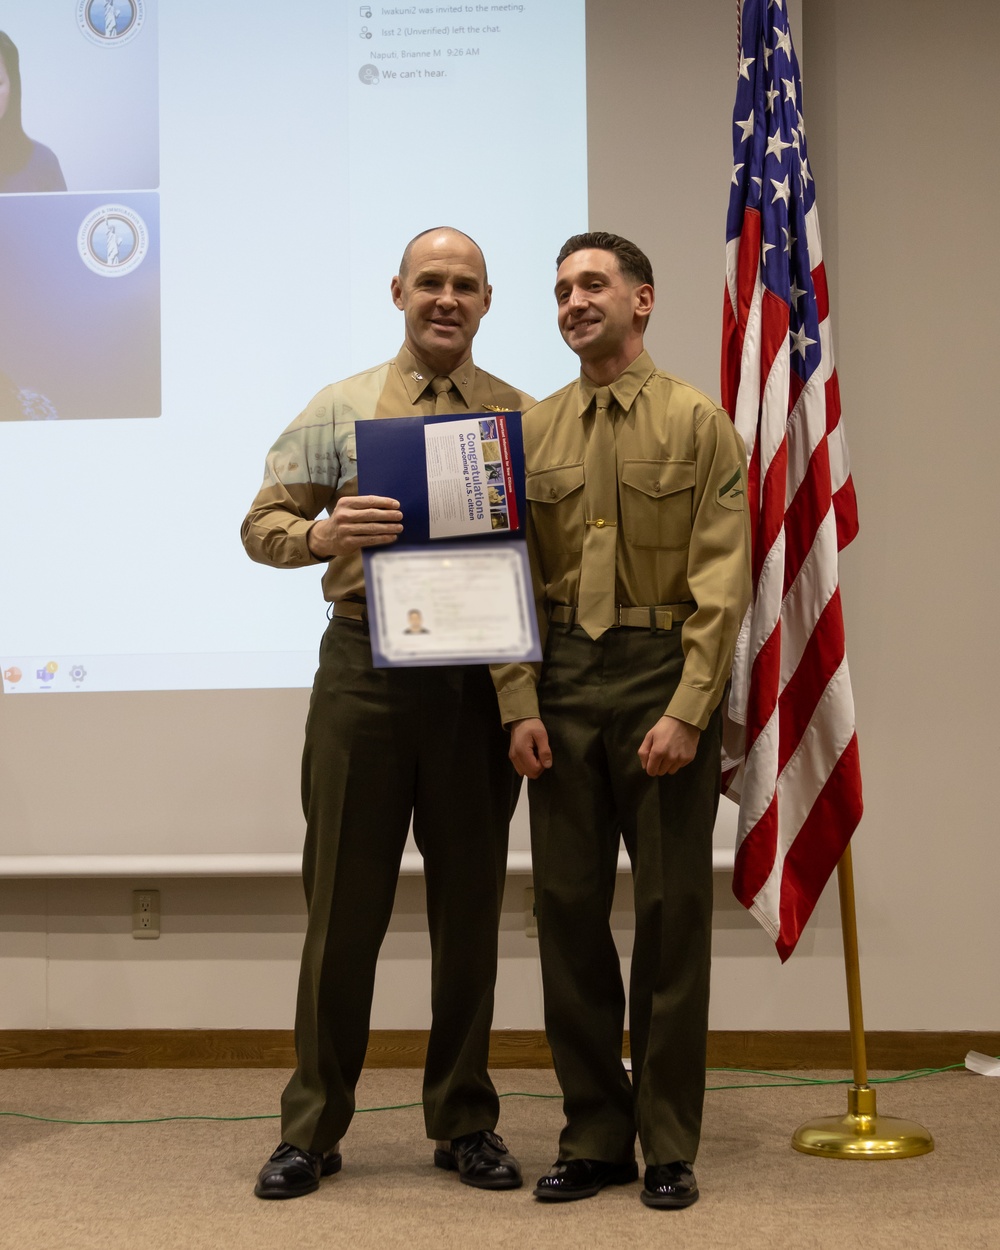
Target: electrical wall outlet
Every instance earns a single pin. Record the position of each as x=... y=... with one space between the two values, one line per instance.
x=530 y=917
x=145 y=913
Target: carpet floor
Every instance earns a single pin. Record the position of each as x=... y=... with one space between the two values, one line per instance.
x=187 y=1183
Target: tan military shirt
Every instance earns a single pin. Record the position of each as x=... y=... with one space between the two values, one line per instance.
x=315 y=461
x=683 y=528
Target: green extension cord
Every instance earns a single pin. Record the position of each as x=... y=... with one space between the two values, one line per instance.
x=777 y=1083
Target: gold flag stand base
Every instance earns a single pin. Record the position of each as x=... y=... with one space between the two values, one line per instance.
x=862 y=1133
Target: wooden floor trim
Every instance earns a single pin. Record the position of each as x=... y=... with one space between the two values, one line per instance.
x=510 y=1048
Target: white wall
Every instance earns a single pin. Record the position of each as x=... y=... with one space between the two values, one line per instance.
x=897 y=100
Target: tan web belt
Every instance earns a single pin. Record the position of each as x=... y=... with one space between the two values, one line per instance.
x=351 y=608
x=663 y=617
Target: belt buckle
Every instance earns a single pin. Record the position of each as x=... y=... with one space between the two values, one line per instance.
x=617 y=622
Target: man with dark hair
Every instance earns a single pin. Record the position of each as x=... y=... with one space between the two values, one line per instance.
x=384 y=744
x=632 y=263
x=639 y=540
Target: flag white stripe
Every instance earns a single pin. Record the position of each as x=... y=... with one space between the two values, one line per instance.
x=814 y=241
x=806 y=430
x=748 y=397
x=840 y=461
x=807 y=598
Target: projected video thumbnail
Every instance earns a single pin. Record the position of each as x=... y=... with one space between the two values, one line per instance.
x=79 y=97
x=79 y=307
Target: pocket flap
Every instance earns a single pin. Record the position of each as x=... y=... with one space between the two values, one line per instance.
x=551 y=485
x=658 y=477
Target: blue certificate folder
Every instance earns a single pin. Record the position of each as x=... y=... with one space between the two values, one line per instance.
x=392 y=461
x=455 y=587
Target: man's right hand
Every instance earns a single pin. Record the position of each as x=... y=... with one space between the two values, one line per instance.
x=357 y=521
x=529 y=747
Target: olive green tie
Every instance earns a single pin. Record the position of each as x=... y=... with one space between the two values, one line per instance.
x=596 y=597
x=441 y=385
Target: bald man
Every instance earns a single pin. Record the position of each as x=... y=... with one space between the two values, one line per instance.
x=382 y=745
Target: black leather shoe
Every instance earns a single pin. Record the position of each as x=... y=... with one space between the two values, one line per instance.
x=480 y=1159
x=291 y=1172
x=568 y=1179
x=670 y=1185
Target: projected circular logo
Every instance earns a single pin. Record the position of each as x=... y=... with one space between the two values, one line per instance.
x=113 y=240
x=111 y=23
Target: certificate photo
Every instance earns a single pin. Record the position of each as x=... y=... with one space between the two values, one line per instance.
x=451 y=605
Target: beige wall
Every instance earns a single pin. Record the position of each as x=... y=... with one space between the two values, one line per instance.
x=897 y=101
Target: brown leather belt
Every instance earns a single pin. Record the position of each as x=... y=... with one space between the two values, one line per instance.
x=630 y=618
x=349 y=608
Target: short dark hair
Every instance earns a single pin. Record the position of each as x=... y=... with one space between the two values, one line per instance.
x=633 y=263
x=404 y=263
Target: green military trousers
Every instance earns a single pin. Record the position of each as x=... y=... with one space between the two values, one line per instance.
x=598 y=700
x=382 y=744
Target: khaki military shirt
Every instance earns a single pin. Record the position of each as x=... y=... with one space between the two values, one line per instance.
x=315 y=461
x=683 y=528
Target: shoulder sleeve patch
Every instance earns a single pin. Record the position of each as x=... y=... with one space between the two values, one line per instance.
x=732 y=493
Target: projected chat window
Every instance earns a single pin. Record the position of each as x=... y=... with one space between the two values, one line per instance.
x=427 y=43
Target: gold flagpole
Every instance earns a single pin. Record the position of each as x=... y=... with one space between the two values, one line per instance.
x=862 y=1133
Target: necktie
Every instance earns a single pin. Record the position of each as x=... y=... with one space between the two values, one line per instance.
x=441 y=385
x=596 y=598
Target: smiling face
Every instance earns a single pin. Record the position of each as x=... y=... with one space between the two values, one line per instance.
x=443 y=294
x=602 y=314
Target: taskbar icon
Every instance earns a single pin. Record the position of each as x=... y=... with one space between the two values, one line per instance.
x=48 y=676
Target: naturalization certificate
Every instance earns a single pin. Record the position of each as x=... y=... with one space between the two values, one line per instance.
x=451 y=604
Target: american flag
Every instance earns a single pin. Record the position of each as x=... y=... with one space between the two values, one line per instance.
x=793 y=761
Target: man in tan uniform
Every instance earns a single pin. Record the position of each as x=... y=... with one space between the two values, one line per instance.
x=384 y=744
x=636 y=485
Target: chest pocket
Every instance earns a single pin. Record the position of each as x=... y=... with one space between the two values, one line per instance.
x=657 y=498
x=556 y=499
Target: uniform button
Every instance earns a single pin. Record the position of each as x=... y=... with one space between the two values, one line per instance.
x=656 y=486
x=552 y=492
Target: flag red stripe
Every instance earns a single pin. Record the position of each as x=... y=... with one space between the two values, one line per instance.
x=806 y=512
x=755 y=856
x=773 y=334
x=822 y=656
x=746 y=266
x=817 y=848
x=764 y=681
x=732 y=350
x=832 y=392
x=822 y=292
x=845 y=509
x=771 y=519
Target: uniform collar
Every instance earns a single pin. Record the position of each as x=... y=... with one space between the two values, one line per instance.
x=417 y=376
x=624 y=388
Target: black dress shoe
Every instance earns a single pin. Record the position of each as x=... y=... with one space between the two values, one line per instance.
x=480 y=1159
x=568 y=1179
x=670 y=1185
x=291 y=1172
